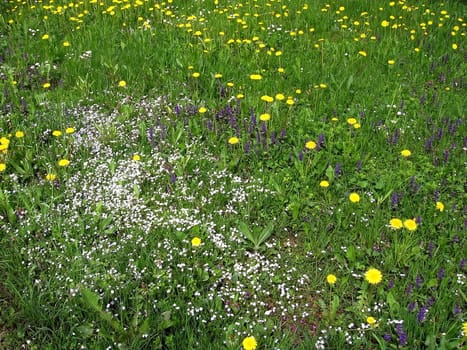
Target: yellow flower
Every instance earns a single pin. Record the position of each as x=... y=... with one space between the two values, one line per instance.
x=357 y=126
x=46 y=85
x=391 y=62
x=196 y=75
x=323 y=86
x=362 y=53
x=331 y=279
x=2 y=167
x=324 y=183
x=50 y=177
x=310 y=145
x=370 y=320
x=464 y=329
x=267 y=98
x=202 y=110
x=122 y=83
x=406 y=153
x=19 y=134
x=218 y=75
x=69 y=130
x=354 y=197
x=196 y=242
x=256 y=77
x=440 y=206
x=280 y=97
x=45 y=37
x=373 y=276
x=264 y=117
x=136 y=157
x=396 y=223
x=410 y=224
x=56 y=133
x=63 y=162
x=240 y=96
x=384 y=23
x=281 y=70
x=233 y=140
x=249 y=343
x=454 y=46
x=351 y=121
x=66 y=43
x=290 y=101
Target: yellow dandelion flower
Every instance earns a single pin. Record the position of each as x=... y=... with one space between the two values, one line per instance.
x=196 y=75
x=280 y=97
x=249 y=343
x=56 y=133
x=45 y=37
x=454 y=46
x=202 y=110
x=240 y=96
x=19 y=134
x=217 y=75
x=410 y=224
x=370 y=320
x=385 y=24
x=46 y=85
x=290 y=101
x=230 y=84
x=362 y=53
x=196 y=242
x=357 y=126
x=373 y=276
x=331 y=279
x=233 y=140
x=391 y=62
x=354 y=197
x=281 y=70
x=396 y=223
x=63 y=162
x=267 y=98
x=406 y=153
x=310 y=145
x=66 y=43
x=2 y=167
x=265 y=117
x=323 y=86
x=256 y=77
x=136 y=157
x=324 y=184
x=69 y=130
x=351 y=121
x=464 y=329
x=50 y=177
x=440 y=206
x=122 y=83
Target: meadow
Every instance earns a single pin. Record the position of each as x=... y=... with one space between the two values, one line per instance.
x=256 y=174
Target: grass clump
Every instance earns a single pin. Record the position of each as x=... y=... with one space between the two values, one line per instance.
x=232 y=175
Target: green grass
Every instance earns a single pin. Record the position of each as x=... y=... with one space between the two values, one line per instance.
x=144 y=100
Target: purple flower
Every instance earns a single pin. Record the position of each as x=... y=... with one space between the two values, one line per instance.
x=273 y=138
x=173 y=178
x=247 y=147
x=422 y=313
x=391 y=283
x=394 y=200
x=462 y=264
x=402 y=334
x=387 y=337
x=457 y=310
x=320 y=143
x=440 y=274
x=409 y=289
x=419 y=281
x=300 y=156
x=283 y=134
x=446 y=155
x=411 y=306
x=338 y=169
